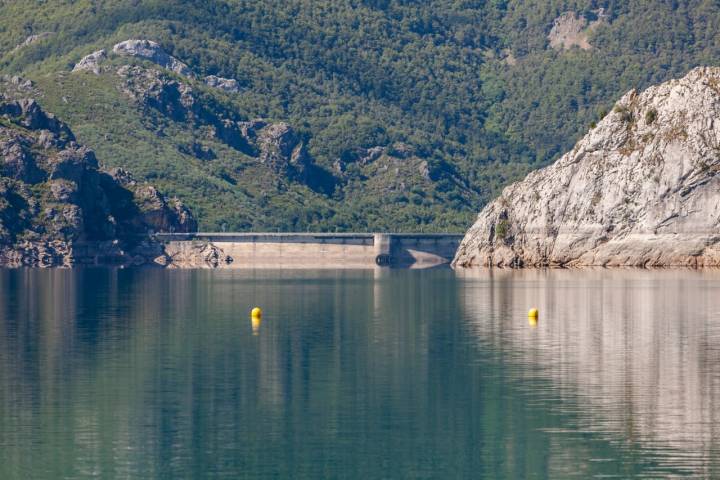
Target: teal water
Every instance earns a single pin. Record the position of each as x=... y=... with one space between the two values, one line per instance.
x=359 y=374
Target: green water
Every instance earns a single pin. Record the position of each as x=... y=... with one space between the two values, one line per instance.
x=400 y=374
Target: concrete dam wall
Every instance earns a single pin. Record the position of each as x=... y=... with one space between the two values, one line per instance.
x=310 y=250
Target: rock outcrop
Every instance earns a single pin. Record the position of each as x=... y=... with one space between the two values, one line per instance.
x=283 y=150
x=58 y=208
x=196 y=254
x=32 y=39
x=642 y=188
x=91 y=62
x=153 y=52
x=155 y=89
x=229 y=85
x=571 y=29
x=155 y=212
x=15 y=83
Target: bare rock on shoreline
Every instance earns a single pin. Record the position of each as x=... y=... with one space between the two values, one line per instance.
x=195 y=255
x=642 y=188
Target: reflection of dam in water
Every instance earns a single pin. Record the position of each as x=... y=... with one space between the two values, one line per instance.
x=639 y=350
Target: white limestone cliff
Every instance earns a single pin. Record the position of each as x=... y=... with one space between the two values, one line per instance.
x=640 y=189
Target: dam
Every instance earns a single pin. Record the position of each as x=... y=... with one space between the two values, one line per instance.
x=310 y=250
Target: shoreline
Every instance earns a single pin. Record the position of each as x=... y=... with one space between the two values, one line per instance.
x=234 y=250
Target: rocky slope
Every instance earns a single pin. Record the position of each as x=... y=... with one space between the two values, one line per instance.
x=275 y=145
x=640 y=189
x=58 y=208
x=203 y=139
x=193 y=136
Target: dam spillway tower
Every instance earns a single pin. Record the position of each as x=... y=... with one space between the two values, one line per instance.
x=382 y=243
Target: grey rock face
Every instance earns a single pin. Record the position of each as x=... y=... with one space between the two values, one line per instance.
x=640 y=189
x=152 y=88
x=56 y=253
x=571 y=29
x=71 y=164
x=230 y=85
x=197 y=255
x=401 y=150
x=175 y=99
x=282 y=150
x=15 y=82
x=372 y=154
x=27 y=113
x=91 y=63
x=153 y=52
x=17 y=161
x=58 y=208
x=155 y=211
x=161 y=214
x=424 y=170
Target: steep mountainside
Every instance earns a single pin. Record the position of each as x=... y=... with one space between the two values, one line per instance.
x=641 y=189
x=460 y=97
x=57 y=208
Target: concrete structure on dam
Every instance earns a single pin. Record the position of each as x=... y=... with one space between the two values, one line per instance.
x=309 y=250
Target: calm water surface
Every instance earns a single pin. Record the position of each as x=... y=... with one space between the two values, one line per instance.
x=402 y=374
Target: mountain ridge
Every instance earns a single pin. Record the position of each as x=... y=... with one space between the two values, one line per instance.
x=474 y=89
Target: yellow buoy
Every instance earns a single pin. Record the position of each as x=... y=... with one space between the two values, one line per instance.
x=533 y=317
x=255 y=319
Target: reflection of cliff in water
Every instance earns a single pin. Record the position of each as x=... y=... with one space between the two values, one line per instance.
x=639 y=351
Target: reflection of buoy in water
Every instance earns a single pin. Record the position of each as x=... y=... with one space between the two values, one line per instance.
x=255 y=319
x=255 y=324
x=533 y=317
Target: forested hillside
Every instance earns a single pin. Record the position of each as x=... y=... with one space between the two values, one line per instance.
x=408 y=115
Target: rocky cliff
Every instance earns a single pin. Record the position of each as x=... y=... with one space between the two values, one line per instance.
x=640 y=189
x=58 y=208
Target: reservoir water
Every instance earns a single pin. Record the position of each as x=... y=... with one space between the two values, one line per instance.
x=108 y=373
